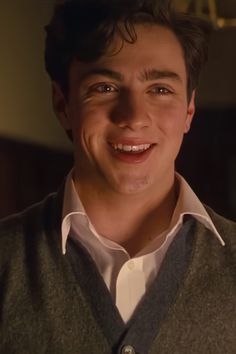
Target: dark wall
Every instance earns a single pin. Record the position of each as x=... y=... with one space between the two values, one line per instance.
x=208 y=159
x=27 y=173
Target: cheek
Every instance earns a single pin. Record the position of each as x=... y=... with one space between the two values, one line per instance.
x=171 y=119
x=89 y=131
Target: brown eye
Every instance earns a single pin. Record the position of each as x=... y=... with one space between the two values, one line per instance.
x=160 y=90
x=104 y=88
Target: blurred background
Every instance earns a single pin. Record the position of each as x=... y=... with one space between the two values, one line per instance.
x=35 y=154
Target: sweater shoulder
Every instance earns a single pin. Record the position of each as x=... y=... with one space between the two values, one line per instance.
x=17 y=229
x=225 y=227
x=13 y=223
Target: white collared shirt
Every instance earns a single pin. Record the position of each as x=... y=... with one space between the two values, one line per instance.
x=127 y=278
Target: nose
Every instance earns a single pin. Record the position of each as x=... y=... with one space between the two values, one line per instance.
x=131 y=112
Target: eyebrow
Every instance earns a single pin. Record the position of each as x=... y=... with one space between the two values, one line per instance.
x=103 y=72
x=147 y=75
x=153 y=74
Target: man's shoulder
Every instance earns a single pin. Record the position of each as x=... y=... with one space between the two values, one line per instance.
x=14 y=222
x=225 y=227
x=17 y=229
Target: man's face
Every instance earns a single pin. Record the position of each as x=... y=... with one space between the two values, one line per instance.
x=128 y=113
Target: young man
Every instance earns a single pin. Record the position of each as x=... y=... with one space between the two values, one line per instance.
x=124 y=258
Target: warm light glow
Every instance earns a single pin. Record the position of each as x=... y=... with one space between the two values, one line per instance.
x=209 y=9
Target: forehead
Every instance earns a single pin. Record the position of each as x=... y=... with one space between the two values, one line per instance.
x=156 y=48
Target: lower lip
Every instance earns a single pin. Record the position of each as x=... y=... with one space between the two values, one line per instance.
x=132 y=158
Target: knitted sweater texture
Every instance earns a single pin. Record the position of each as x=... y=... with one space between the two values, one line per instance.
x=44 y=310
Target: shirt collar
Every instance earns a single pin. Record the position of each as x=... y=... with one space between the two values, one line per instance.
x=187 y=204
x=72 y=205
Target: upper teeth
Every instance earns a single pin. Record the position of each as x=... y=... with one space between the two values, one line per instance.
x=128 y=148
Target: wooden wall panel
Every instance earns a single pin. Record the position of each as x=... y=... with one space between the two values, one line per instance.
x=27 y=173
x=208 y=159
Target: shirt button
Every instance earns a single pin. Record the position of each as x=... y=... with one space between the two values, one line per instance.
x=128 y=349
x=131 y=265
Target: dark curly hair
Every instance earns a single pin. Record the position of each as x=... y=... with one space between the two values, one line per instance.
x=83 y=29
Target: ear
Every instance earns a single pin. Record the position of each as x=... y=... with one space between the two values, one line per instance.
x=190 y=113
x=60 y=106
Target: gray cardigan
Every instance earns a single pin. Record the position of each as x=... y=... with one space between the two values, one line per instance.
x=50 y=303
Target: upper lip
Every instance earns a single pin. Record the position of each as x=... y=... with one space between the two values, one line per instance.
x=131 y=142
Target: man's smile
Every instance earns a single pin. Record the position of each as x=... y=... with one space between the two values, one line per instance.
x=131 y=153
x=131 y=148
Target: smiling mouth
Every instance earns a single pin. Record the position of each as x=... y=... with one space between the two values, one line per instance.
x=131 y=149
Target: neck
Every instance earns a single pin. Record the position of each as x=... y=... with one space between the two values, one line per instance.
x=129 y=220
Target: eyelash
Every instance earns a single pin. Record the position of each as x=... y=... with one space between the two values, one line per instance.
x=99 y=88
x=161 y=90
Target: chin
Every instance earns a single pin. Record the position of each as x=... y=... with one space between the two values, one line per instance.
x=134 y=186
